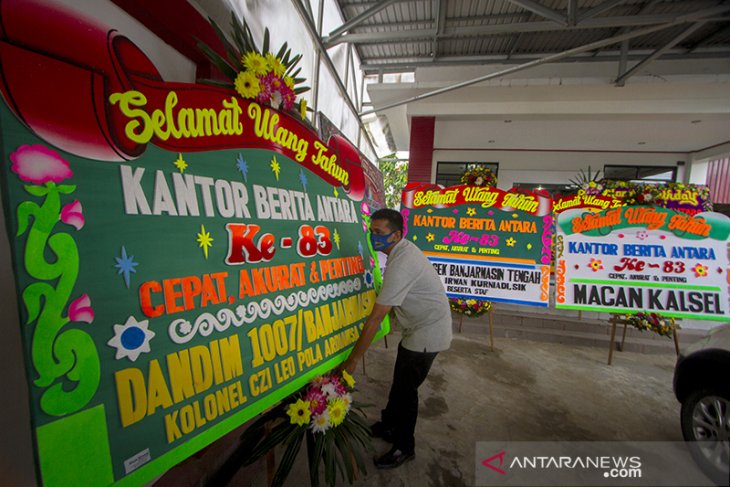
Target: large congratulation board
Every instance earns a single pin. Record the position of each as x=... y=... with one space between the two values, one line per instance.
x=484 y=243
x=184 y=258
x=641 y=258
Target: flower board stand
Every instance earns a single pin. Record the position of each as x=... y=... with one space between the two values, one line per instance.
x=491 y=328
x=617 y=319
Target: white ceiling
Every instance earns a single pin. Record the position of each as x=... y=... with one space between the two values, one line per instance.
x=670 y=106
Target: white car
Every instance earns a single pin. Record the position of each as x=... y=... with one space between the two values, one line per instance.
x=702 y=385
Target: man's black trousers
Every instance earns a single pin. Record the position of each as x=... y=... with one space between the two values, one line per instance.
x=401 y=413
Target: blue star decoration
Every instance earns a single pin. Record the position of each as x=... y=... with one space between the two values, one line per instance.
x=125 y=265
x=242 y=166
x=303 y=179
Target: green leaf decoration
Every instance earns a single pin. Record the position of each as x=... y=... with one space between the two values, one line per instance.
x=233 y=52
x=215 y=82
x=282 y=50
x=219 y=61
x=66 y=188
x=36 y=190
x=344 y=451
x=329 y=461
x=287 y=460
x=314 y=458
x=25 y=210
x=32 y=299
x=584 y=177
x=265 y=47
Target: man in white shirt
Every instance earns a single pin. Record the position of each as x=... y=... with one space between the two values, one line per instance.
x=412 y=288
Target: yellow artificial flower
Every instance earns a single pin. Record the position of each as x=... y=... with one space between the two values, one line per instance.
x=303 y=108
x=336 y=409
x=289 y=81
x=299 y=413
x=247 y=84
x=349 y=380
x=275 y=64
x=255 y=63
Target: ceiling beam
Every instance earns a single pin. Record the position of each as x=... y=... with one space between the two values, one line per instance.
x=679 y=38
x=572 y=15
x=414 y=24
x=410 y=64
x=623 y=60
x=541 y=10
x=518 y=28
x=598 y=9
x=521 y=67
x=357 y=20
x=440 y=17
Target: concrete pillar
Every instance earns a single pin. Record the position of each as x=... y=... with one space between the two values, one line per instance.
x=421 y=149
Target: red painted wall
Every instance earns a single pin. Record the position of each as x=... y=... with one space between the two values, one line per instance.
x=421 y=149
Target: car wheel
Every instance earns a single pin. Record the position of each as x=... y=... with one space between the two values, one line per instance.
x=706 y=425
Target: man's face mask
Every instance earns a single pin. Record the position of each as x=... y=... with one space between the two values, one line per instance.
x=380 y=242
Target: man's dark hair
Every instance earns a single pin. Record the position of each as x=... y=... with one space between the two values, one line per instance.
x=394 y=218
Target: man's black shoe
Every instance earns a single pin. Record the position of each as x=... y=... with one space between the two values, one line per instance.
x=394 y=458
x=379 y=430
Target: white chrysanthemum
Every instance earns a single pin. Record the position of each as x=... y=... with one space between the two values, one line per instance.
x=347 y=399
x=321 y=422
x=330 y=390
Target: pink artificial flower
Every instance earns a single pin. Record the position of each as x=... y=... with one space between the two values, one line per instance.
x=365 y=208
x=80 y=309
x=72 y=214
x=264 y=93
x=268 y=85
x=318 y=381
x=288 y=96
x=38 y=164
x=317 y=401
